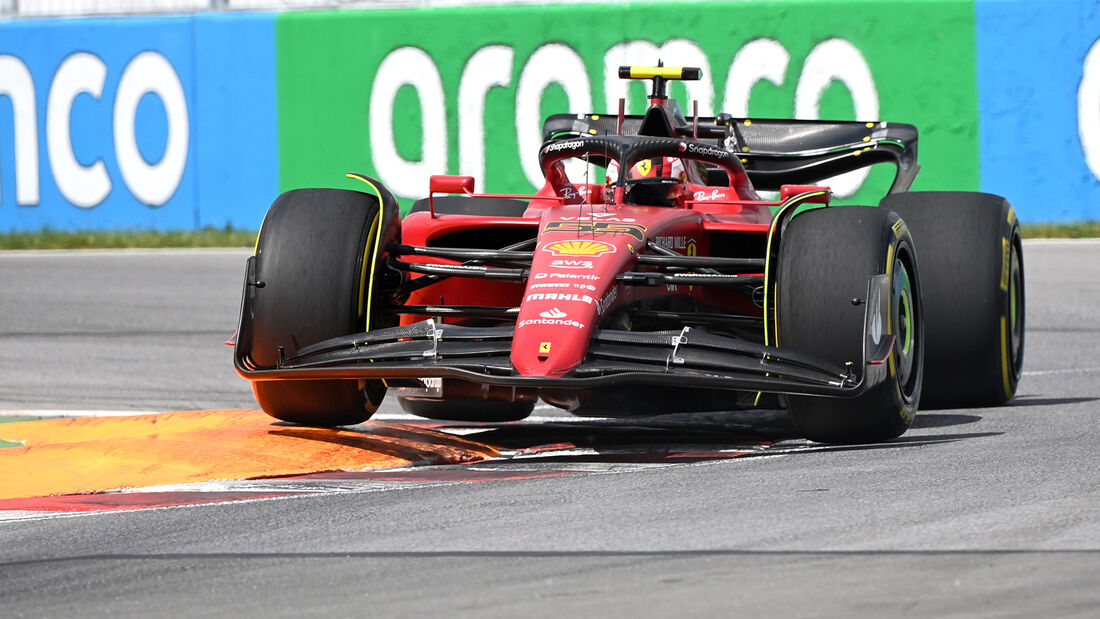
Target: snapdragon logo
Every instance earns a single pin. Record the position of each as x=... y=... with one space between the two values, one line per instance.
x=83 y=74
x=556 y=146
x=710 y=151
x=557 y=64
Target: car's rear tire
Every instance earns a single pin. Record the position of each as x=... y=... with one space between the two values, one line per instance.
x=972 y=269
x=467 y=410
x=314 y=257
x=826 y=258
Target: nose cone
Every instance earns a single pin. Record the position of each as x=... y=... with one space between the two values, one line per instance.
x=570 y=283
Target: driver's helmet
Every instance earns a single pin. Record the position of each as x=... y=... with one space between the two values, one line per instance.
x=657 y=167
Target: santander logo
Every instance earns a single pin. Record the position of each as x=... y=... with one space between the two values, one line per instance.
x=553 y=313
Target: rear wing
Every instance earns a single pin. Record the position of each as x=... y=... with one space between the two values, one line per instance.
x=777 y=152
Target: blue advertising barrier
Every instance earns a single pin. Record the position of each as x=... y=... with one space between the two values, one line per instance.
x=154 y=123
x=170 y=122
x=1040 y=106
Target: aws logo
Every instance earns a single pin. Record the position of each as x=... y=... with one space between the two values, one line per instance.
x=579 y=248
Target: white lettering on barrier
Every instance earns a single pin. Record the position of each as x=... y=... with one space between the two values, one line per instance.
x=833 y=60
x=408 y=66
x=759 y=59
x=489 y=67
x=1088 y=109
x=552 y=63
x=829 y=61
x=17 y=84
x=151 y=183
x=82 y=73
x=83 y=186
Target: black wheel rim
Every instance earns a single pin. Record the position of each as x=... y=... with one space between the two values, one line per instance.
x=906 y=329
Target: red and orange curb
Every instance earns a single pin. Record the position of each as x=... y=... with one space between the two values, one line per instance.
x=97 y=454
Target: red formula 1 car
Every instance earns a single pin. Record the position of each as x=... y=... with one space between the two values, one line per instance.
x=646 y=276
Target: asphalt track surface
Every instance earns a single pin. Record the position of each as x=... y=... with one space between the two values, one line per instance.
x=977 y=512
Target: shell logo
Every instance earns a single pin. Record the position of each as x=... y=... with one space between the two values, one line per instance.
x=580 y=248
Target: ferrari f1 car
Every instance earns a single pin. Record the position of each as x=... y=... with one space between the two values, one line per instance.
x=646 y=276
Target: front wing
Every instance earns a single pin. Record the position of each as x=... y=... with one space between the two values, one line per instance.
x=688 y=358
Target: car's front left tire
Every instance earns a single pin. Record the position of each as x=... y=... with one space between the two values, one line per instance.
x=314 y=257
x=827 y=256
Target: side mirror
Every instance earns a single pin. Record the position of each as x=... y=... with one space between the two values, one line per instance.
x=788 y=191
x=443 y=183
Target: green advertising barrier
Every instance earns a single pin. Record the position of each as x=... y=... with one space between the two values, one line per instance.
x=402 y=94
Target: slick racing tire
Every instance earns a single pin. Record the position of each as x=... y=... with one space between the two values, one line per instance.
x=467 y=410
x=314 y=256
x=972 y=269
x=826 y=258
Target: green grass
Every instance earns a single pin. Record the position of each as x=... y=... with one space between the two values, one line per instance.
x=4 y=419
x=111 y=239
x=1076 y=230
x=235 y=237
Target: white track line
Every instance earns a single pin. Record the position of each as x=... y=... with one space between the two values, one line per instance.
x=1062 y=371
x=1061 y=242
x=137 y=251
x=50 y=413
